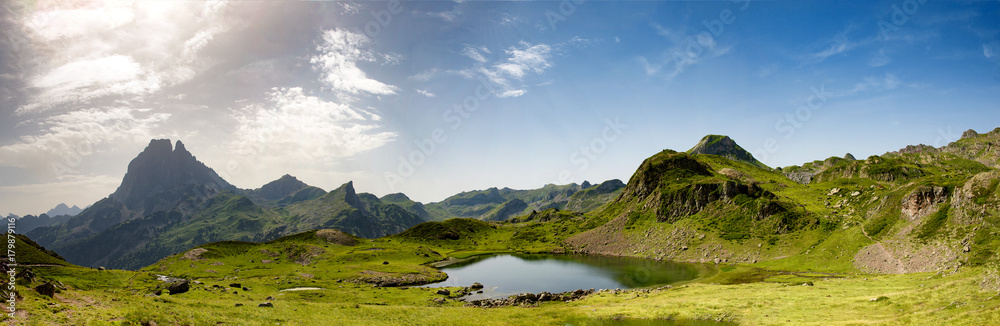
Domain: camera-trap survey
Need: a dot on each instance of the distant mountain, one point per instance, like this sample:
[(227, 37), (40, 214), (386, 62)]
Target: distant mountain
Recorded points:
[(62, 209), (982, 148), (168, 201), (30, 222), (725, 147), (285, 186), (495, 204)]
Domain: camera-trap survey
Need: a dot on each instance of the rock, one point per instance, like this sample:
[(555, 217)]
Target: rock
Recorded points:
[(266, 261), (833, 191), (101, 268), (920, 200), (443, 292), (158, 292), (269, 298), (850, 157), (385, 263), (266, 305), (969, 134), (439, 300), (235, 285), (239, 304), (179, 287), (246, 289), (855, 194), (476, 286), (47, 289)]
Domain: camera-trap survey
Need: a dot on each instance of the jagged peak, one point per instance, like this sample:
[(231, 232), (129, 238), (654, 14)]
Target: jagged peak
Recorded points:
[(970, 134)]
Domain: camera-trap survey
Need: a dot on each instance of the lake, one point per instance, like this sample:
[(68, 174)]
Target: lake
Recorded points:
[(505, 275)]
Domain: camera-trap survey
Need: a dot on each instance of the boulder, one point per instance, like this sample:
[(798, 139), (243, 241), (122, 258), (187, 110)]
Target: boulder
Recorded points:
[(443, 292), (235, 285), (179, 287), (266, 305), (969, 134), (47, 289), (476, 286)]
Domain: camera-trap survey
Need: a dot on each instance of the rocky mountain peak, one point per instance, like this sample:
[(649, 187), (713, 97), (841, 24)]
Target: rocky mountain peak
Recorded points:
[(970, 134), (724, 146), (850, 157), (162, 174)]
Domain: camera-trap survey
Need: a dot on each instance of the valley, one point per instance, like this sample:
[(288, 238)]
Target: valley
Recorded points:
[(907, 237)]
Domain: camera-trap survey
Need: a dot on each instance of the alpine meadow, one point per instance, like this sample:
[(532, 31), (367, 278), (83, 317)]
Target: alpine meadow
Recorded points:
[(500, 162)]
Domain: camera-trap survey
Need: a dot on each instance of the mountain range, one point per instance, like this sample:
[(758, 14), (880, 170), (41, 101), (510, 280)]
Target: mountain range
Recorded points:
[(169, 201)]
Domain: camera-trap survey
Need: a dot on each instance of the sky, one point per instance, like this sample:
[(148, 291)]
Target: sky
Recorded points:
[(431, 98)]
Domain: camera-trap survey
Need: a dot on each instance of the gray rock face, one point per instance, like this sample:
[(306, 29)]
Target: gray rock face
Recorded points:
[(919, 202), (969, 134)]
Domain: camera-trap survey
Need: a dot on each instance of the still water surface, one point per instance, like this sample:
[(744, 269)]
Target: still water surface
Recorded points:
[(505, 275)]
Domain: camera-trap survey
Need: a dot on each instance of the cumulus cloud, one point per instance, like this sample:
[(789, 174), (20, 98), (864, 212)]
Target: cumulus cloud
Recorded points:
[(299, 127), (426, 93), (337, 62), (68, 138)]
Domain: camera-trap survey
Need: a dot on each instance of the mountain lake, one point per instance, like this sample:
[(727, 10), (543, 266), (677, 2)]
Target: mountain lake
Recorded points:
[(509, 274)]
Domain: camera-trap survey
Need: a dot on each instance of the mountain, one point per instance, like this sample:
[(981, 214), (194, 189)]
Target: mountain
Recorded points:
[(725, 147), (406, 203), (168, 201), (62, 209), (285, 186), (501, 204), (30, 222)]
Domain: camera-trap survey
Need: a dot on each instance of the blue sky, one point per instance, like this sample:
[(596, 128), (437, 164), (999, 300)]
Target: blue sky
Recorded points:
[(434, 98)]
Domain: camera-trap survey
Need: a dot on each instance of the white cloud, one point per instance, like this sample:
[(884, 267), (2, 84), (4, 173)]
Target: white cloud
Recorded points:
[(474, 53), (508, 73), (426, 93), (299, 128), (425, 75), (83, 80), (66, 139), (114, 48), (533, 58), (340, 51)]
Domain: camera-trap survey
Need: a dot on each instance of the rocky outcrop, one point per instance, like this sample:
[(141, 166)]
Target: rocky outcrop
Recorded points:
[(691, 199), (921, 201), (970, 134), (667, 164), (850, 157)]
